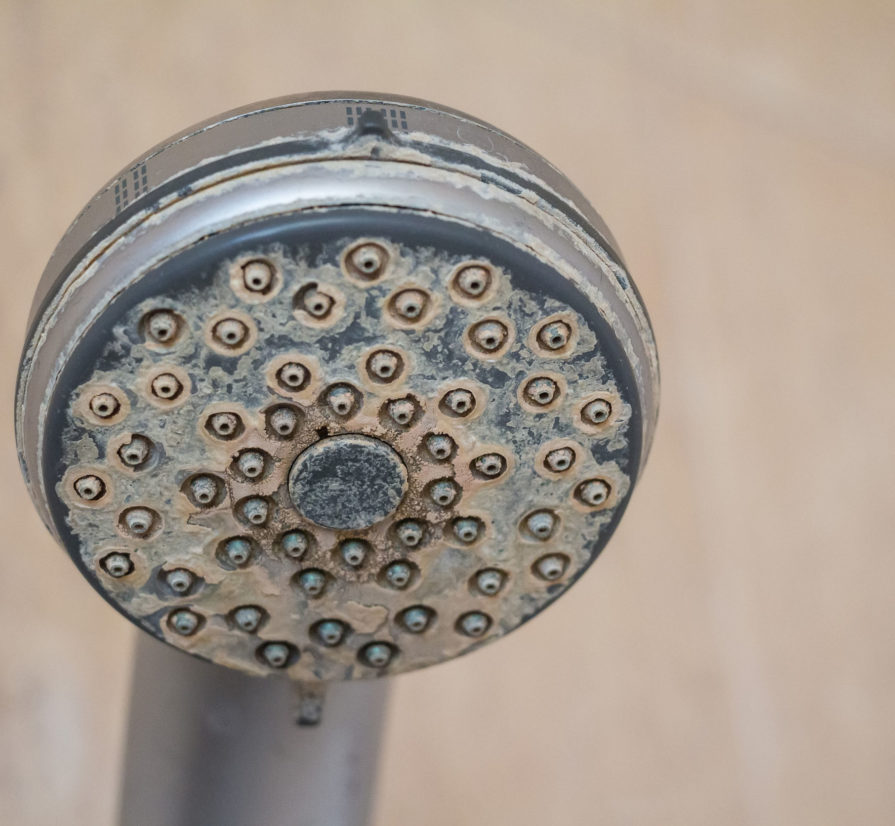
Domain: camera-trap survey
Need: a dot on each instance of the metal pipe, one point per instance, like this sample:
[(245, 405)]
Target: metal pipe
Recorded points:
[(209, 746)]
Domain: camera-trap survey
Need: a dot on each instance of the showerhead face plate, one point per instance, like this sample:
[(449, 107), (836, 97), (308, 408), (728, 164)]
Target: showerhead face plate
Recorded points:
[(346, 399)]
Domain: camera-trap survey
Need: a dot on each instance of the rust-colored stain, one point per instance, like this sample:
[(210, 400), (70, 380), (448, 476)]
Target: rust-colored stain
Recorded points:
[(303, 360)]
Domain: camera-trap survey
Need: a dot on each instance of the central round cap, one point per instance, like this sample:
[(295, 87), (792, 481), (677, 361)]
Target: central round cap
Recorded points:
[(347, 482)]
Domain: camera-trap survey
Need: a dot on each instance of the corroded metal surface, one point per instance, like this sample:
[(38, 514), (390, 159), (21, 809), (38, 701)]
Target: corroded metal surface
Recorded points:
[(345, 398), (504, 496)]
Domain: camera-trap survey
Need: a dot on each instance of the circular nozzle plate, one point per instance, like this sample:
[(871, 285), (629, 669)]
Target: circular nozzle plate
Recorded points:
[(342, 445), (335, 386)]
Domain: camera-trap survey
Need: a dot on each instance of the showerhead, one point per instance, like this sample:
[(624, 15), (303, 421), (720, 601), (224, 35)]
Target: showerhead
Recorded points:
[(338, 385)]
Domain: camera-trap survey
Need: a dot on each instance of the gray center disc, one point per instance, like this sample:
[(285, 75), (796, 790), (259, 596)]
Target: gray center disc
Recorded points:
[(347, 482)]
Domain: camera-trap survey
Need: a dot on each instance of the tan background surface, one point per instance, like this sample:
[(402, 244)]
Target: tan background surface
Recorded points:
[(730, 658)]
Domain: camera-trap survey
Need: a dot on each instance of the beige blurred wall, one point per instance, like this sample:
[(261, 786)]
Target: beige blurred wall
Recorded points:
[(730, 659)]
